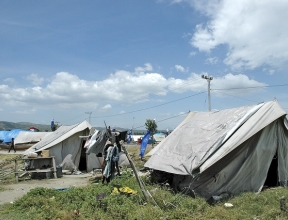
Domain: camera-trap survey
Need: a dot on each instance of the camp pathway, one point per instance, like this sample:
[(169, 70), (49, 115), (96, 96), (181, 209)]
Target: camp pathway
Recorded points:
[(17, 190), (5, 151)]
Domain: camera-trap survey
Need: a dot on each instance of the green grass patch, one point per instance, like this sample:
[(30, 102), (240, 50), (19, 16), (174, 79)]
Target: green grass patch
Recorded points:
[(97, 201)]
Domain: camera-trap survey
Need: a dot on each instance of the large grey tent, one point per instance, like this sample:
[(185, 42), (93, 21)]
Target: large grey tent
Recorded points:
[(228, 151), (66, 146)]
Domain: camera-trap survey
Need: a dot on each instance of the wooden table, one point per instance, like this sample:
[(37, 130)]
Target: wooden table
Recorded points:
[(38, 161)]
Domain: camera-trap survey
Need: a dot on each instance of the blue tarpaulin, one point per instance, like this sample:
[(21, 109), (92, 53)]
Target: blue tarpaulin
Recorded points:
[(144, 143), (3, 134), (129, 136), (11, 134)]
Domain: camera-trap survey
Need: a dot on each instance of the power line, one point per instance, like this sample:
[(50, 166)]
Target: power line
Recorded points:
[(238, 97), (155, 106), (89, 115), (252, 87), (173, 117), (166, 119), (191, 81)]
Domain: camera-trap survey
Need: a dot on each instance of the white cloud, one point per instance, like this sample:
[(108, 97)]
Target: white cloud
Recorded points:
[(193, 53), (9, 80), (148, 67), (176, 1), (35, 79), (256, 32), (212, 60), (271, 72), (106, 107), (232, 83), (26, 111), (66, 90), (179, 68)]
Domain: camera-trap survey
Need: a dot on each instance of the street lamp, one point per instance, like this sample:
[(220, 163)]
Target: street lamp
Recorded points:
[(208, 78)]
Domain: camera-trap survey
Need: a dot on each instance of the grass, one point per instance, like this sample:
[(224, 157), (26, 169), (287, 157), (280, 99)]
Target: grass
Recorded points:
[(6, 164), (2, 189), (134, 151), (97, 201), (6, 157)]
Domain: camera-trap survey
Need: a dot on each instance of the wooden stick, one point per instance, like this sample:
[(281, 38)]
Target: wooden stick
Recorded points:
[(136, 174), (16, 170)]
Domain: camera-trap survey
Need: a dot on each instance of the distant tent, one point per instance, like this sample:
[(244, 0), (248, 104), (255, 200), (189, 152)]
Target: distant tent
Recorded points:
[(159, 137), (33, 129), (25, 137), (67, 147), (228, 151), (12, 134), (3, 134)]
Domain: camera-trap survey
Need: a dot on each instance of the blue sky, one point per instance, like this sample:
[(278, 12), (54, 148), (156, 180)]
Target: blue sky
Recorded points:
[(123, 62)]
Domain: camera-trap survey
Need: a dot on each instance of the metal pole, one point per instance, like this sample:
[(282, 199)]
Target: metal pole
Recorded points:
[(89, 115), (209, 100), (208, 78), (133, 126)]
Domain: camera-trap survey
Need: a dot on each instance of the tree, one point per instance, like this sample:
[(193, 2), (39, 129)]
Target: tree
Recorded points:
[(152, 127), (54, 127)]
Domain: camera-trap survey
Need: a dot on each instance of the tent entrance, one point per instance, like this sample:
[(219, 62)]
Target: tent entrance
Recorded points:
[(83, 158), (272, 175)]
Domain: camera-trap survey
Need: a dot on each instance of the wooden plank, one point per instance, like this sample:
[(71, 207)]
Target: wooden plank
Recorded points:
[(23, 174), (54, 167), (36, 158), (16, 170)]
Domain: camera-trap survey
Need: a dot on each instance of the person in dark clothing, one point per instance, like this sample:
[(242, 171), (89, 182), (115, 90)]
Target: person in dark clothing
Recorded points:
[(122, 136), (12, 146)]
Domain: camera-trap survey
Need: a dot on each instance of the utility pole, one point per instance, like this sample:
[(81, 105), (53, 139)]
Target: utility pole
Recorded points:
[(133, 126), (208, 78), (89, 115)]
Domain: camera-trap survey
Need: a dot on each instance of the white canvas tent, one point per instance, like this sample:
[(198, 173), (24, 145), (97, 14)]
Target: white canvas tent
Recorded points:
[(159, 137), (228, 151), (67, 147), (25, 137)]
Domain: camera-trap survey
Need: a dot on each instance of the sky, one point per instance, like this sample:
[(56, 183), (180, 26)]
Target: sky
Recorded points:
[(120, 63)]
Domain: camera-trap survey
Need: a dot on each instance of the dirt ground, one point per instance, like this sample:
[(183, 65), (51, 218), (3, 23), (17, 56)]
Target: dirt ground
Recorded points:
[(17, 190)]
